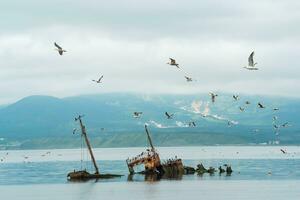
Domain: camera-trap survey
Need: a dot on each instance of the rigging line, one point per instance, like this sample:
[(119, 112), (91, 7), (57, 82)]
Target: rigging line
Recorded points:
[(81, 152), (87, 163)]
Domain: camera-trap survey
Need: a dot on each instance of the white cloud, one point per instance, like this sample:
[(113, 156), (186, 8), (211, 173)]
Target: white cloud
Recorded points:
[(130, 47)]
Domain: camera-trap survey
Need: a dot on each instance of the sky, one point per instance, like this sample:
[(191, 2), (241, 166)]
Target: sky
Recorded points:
[(130, 41)]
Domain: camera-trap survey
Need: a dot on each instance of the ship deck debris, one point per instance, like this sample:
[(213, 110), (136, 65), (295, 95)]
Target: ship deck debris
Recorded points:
[(170, 168)]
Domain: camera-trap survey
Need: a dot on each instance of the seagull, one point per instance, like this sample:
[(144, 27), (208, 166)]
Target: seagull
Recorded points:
[(260, 105), (173, 62), (99, 80), (137, 114), (275, 109), (236, 97), (74, 131), (242, 109), (188, 79), (192, 124), (251, 64), (221, 170), (275, 118), (169, 116), (59, 49), (213, 97), (276, 126), (229, 123), (285, 124), (283, 151), (247, 102)]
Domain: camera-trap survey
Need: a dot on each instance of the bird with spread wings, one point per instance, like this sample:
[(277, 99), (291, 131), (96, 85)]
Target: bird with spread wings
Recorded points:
[(99, 80), (251, 64), (59, 49)]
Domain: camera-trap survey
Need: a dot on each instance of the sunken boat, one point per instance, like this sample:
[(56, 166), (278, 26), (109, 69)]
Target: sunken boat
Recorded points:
[(154, 168), (83, 175)]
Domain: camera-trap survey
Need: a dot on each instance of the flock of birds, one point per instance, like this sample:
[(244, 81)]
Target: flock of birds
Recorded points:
[(251, 66), (61, 51), (27, 158), (172, 62), (276, 126)]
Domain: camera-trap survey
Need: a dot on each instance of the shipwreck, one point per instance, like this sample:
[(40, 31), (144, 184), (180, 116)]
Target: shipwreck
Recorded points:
[(82, 175), (154, 168)]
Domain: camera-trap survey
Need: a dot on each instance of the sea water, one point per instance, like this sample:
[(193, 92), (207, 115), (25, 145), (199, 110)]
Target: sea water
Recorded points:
[(259, 172)]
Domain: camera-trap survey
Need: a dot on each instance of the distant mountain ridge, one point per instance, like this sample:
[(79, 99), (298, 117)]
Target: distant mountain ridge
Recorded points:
[(45, 121)]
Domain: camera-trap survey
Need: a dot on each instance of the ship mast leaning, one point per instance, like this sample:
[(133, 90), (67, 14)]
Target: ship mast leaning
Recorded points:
[(83, 131), (149, 138)]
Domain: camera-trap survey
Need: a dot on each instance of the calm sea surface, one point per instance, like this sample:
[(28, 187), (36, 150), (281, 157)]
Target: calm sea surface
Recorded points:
[(261, 172)]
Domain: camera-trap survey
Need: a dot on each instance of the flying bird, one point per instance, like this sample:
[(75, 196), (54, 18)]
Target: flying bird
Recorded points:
[(247, 102), (229, 123), (169, 116), (285, 124), (188, 79), (74, 131), (275, 109), (137, 114), (192, 124), (251, 64), (276, 126), (213, 97), (260, 105), (59, 49), (283, 151), (99, 80), (242, 109), (235, 97), (173, 62)]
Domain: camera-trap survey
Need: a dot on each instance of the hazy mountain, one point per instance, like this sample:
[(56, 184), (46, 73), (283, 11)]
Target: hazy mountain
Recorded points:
[(44, 121)]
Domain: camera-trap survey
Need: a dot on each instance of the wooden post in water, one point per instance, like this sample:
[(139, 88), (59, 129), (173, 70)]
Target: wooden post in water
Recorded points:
[(83, 131), (130, 168)]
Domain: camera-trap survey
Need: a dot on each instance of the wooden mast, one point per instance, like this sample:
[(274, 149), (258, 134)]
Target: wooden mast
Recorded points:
[(83, 131), (149, 138)]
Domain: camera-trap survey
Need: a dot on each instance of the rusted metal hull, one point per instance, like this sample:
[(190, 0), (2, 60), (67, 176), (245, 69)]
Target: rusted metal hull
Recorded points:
[(84, 175), (149, 159), (154, 168)]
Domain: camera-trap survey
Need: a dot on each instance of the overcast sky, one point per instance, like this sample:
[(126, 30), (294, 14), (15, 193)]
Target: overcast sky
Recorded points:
[(130, 41)]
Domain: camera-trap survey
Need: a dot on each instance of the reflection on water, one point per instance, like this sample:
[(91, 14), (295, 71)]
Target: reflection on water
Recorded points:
[(56, 172), (253, 177), (153, 177)]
